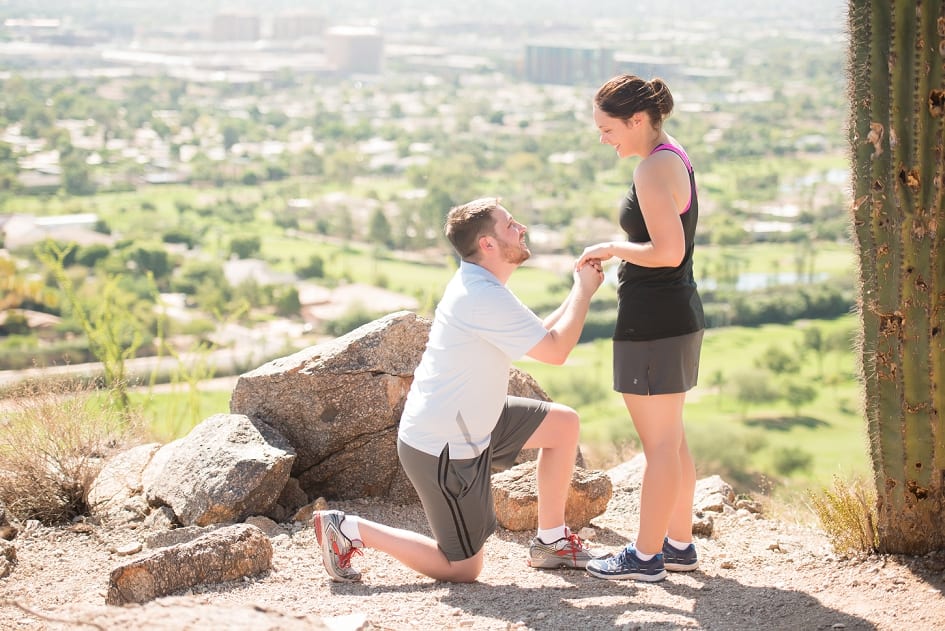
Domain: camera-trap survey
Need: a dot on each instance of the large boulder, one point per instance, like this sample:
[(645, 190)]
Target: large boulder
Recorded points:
[(227, 468), (339, 405)]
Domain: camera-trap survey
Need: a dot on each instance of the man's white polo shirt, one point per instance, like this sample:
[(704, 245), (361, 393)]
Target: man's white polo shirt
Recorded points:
[(459, 388)]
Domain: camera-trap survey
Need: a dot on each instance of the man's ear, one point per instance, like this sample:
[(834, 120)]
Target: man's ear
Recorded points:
[(486, 242)]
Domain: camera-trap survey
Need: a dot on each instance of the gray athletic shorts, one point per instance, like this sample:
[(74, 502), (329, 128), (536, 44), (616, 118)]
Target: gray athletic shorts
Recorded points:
[(666, 366), (457, 494)]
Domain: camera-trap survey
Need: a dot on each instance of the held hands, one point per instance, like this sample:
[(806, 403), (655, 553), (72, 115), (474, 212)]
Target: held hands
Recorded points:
[(599, 252), (588, 277)]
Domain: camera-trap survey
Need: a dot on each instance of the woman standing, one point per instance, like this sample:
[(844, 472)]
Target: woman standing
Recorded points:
[(660, 321)]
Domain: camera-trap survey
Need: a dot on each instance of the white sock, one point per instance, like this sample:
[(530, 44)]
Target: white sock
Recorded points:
[(679, 545), (349, 528), (550, 535), (643, 556)]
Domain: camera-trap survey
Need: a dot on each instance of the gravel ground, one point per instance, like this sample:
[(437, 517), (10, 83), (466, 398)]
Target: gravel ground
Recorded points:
[(756, 574)]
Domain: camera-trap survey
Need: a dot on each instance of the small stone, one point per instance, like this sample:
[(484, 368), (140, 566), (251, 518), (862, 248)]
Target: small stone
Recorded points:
[(727, 565), (128, 549)]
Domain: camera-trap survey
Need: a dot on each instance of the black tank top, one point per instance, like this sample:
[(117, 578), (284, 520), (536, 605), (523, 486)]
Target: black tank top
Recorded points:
[(658, 302)]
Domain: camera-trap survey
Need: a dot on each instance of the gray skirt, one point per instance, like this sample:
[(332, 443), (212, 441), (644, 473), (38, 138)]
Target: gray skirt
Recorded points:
[(666, 366)]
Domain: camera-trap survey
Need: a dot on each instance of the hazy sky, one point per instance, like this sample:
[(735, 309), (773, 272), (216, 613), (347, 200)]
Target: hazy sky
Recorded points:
[(825, 11)]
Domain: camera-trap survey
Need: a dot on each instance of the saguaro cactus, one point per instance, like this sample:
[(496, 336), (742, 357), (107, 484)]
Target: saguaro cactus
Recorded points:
[(897, 138)]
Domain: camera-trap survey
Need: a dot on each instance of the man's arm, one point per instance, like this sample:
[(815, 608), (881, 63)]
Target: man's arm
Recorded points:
[(566, 322)]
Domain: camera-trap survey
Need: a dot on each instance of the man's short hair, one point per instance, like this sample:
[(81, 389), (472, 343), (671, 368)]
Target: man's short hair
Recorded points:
[(469, 221)]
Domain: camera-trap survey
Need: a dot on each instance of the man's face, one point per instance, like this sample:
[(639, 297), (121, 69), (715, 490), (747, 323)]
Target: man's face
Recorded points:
[(510, 236)]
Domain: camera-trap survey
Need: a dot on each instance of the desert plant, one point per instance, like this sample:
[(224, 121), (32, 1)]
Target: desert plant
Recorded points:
[(54, 436), (113, 331), (847, 514), (897, 139)]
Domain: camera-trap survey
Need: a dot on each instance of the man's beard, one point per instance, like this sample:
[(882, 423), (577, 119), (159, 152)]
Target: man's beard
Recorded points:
[(515, 254)]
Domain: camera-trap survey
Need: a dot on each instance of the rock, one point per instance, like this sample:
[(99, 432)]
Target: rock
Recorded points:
[(712, 494), (7, 530), (628, 475), (161, 518), (293, 497), (749, 505), (116, 493), (128, 549), (179, 536), (702, 525), (339, 405), (7, 557), (306, 514), (715, 492), (226, 554), (227, 468), (516, 497), (265, 524)]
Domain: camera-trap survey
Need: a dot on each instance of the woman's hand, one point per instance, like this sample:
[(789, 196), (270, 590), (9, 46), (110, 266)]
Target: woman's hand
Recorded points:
[(599, 252)]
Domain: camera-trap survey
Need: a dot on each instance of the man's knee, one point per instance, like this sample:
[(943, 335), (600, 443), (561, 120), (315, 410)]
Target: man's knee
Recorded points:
[(570, 421), (466, 571)]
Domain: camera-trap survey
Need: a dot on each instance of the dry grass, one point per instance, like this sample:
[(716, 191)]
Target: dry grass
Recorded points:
[(847, 514), (54, 437)]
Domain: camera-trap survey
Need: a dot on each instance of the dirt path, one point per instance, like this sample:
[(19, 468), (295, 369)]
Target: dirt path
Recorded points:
[(755, 574)]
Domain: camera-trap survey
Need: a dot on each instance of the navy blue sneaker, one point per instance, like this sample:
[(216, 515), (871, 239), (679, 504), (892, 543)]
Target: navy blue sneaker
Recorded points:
[(677, 560), (627, 565)]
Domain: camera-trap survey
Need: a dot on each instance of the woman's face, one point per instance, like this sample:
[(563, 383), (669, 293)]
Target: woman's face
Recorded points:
[(616, 132)]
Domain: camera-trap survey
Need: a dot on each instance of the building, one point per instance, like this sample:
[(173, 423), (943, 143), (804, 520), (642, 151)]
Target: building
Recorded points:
[(232, 27), (648, 66), (354, 50), (568, 65), (20, 230), (297, 25)]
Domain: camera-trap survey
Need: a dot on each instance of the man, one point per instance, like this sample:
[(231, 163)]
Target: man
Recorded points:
[(459, 422)]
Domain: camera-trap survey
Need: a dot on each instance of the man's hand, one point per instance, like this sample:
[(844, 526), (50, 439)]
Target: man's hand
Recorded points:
[(589, 276)]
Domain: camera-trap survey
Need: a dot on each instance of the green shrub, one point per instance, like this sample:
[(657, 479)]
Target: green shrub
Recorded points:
[(790, 460)]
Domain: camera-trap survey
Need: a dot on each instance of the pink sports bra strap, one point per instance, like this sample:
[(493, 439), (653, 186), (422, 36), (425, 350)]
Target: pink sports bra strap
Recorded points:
[(679, 152)]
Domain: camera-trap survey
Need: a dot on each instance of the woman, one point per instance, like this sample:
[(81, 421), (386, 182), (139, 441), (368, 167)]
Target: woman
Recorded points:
[(658, 336)]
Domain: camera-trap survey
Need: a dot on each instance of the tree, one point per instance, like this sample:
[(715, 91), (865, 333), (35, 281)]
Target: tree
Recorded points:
[(245, 246), (814, 340), (379, 230), (897, 139), (799, 394), (754, 388), (315, 268), (76, 177), (778, 361)]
